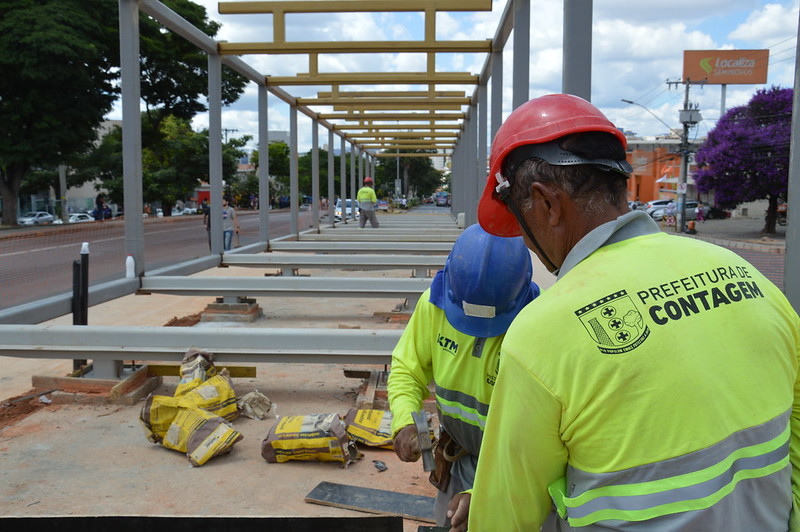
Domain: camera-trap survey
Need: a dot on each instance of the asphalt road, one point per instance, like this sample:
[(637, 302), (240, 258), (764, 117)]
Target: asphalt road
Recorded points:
[(38, 262)]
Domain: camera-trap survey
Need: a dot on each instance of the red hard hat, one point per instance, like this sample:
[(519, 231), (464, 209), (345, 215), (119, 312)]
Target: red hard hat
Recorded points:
[(537, 121), (367, 179)]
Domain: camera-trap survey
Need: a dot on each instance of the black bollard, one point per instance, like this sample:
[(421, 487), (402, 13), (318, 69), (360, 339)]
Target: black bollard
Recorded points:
[(80, 296)]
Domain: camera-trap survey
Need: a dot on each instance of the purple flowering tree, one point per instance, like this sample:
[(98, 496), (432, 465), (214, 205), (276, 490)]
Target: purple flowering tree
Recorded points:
[(746, 156)]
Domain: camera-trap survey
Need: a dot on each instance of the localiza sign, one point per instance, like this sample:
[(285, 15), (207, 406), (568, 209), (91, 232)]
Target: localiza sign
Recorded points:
[(722, 67)]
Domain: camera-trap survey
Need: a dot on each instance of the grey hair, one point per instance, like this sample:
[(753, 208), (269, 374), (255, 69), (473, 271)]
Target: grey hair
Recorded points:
[(593, 189)]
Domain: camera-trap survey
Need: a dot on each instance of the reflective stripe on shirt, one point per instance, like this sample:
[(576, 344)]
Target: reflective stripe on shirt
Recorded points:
[(463, 417), (681, 484)]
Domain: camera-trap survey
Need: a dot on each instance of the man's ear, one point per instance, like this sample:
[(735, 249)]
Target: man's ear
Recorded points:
[(552, 200)]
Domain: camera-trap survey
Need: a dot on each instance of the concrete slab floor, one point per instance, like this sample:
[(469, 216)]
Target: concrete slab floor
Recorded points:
[(95, 459)]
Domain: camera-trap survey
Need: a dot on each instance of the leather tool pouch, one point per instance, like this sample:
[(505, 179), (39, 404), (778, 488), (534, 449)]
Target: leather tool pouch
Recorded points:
[(446, 452), (440, 476)]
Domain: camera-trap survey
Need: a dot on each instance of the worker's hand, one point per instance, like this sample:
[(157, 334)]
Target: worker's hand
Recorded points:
[(458, 512), (406, 444)]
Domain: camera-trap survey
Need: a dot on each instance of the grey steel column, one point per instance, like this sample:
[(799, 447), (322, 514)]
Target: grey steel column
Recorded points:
[(293, 180), (361, 160), (331, 191), (576, 77), (497, 92), (352, 185), (791, 281), (522, 52), (215, 148), (131, 132), (343, 178), (472, 174), (263, 164), (315, 173)]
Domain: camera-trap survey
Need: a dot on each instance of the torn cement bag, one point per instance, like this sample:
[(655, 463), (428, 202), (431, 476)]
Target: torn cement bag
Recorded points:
[(321, 437), (370, 427), (197, 366), (254, 405), (215, 396), (200, 434)]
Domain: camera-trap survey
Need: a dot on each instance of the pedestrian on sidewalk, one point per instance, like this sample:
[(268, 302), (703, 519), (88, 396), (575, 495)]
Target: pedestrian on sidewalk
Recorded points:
[(700, 212), (230, 223)]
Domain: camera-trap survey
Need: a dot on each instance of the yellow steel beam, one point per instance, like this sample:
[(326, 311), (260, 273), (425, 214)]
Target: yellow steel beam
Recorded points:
[(404, 135), (353, 47), (368, 99), (416, 117), (408, 147), (401, 155), (351, 6), (410, 106), (376, 78), (398, 127), (410, 140), (391, 94)]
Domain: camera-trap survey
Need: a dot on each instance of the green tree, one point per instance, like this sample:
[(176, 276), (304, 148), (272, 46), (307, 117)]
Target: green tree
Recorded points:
[(58, 61), (57, 83), (174, 72), (279, 167), (417, 174), (746, 156)]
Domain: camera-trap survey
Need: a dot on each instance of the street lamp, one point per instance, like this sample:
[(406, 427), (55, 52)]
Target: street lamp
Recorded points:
[(669, 128), (688, 117)]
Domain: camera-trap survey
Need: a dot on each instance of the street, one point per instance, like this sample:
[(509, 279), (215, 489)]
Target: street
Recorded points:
[(37, 262)]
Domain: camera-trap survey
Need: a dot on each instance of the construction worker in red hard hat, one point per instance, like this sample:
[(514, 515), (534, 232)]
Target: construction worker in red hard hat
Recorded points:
[(453, 340), (367, 204), (653, 386)]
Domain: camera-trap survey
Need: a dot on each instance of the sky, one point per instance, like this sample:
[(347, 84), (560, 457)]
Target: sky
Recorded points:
[(636, 48)]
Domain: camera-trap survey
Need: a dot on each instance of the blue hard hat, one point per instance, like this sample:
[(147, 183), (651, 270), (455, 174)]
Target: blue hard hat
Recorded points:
[(486, 281)]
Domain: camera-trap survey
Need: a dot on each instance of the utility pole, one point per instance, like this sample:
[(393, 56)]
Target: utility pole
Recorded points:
[(689, 116), (225, 132)]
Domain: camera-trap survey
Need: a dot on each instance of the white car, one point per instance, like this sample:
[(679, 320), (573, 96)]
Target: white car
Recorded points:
[(36, 218), (80, 217), (337, 212)]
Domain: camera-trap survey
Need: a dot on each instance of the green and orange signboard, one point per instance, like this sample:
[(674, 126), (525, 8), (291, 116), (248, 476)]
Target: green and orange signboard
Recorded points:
[(724, 67)]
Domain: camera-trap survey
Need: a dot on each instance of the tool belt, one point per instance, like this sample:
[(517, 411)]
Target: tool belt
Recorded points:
[(446, 451)]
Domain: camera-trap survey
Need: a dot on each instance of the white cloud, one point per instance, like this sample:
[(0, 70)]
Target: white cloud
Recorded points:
[(637, 47), (768, 25)]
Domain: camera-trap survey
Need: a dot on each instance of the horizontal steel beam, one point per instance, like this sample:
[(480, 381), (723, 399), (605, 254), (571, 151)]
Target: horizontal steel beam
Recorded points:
[(352, 6), (375, 78), (372, 237), (413, 248), (353, 47), (287, 286), (358, 262), (242, 345)]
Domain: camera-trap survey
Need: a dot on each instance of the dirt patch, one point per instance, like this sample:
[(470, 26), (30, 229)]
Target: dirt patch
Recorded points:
[(186, 321), (18, 408)]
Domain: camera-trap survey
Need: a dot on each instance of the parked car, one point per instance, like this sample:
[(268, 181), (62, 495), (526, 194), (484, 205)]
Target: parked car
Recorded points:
[(337, 213), (36, 218), (635, 205), (80, 217), (691, 211), (650, 206)]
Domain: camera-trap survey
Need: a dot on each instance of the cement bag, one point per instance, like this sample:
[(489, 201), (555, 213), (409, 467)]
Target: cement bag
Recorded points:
[(197, 366), (200, 434), (321, 437), (216, 395), (370, 427)]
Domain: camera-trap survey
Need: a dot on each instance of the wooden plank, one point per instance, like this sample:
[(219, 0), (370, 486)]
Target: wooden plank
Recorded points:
[(373, 501)]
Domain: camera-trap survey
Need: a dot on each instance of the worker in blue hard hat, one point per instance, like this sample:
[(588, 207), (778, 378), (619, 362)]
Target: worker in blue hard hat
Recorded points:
[(453, 340)]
